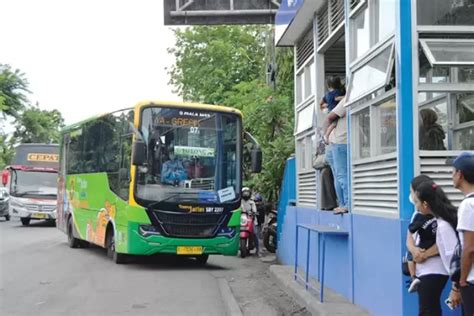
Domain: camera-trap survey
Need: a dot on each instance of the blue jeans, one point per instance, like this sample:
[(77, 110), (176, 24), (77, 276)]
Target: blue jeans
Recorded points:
[(336, 155)]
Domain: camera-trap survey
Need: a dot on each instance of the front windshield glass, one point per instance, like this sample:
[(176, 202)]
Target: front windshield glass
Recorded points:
[(34, 183), (192, 156)]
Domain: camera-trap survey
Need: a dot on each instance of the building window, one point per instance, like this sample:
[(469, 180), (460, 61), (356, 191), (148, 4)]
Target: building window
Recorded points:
[(449, 52), (387, 126), (305, 149), (361, 31), (305, 83), (437, 110), (445, 12), (372, 76), (371, 25), (305, 118), (361, 131), (385, 12), (310, 84), (299, 88)]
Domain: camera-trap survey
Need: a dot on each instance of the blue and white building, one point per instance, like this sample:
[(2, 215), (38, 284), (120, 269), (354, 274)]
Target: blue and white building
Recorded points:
[(396, 58)]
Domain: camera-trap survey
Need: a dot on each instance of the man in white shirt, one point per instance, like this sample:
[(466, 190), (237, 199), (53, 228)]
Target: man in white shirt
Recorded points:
[(463, 180)]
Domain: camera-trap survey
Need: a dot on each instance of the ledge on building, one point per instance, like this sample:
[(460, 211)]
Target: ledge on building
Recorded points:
[(334, 304)]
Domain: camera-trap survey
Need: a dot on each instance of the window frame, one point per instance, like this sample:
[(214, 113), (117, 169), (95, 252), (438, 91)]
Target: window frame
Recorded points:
[(424, 43), (306, 106), (374, 44), (374, 118), (300, 87), (388, 71)]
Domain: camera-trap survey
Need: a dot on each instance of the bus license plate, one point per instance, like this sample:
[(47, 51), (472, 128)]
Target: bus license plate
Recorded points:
[(38, 215), (196, 250)]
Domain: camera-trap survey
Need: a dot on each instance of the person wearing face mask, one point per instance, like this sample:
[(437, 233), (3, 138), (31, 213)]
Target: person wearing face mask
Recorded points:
[(173, 171), (421, 236)]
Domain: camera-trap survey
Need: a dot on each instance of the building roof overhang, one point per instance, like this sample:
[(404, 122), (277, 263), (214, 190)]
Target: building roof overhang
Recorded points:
[(300, 23)]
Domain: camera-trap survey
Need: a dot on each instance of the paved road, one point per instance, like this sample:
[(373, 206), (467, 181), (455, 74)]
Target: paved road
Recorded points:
[(41, 275)]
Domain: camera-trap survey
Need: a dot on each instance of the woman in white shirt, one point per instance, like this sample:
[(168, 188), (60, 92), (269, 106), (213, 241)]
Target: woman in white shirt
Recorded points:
[(430, 199)]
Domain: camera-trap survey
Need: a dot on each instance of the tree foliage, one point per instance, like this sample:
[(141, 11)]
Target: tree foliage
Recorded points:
[(13, 87), (210, 60), (226, 65), (32, 125), (38, 126)]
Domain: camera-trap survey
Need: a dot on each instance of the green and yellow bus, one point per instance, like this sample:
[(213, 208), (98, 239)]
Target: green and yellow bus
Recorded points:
[(156, 178)]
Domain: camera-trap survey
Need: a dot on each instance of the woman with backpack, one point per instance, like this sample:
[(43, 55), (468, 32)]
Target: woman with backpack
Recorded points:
[(429, 198)]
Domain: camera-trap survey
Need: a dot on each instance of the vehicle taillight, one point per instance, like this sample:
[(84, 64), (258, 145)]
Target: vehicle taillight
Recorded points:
[(5, 175)]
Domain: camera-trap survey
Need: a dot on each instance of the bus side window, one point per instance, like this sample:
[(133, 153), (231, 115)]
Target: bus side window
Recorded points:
[(75, 146)]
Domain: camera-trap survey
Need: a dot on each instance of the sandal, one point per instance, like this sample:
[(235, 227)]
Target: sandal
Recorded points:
[(340, 210)]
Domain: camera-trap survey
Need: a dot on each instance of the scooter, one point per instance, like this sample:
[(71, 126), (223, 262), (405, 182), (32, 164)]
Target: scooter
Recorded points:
[(247, 242), (270, 232)]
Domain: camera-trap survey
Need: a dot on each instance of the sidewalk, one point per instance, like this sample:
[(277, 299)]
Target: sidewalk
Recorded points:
[(334, 304)]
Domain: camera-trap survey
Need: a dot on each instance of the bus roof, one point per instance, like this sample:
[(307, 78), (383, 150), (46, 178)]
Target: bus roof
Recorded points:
[(145, 103)]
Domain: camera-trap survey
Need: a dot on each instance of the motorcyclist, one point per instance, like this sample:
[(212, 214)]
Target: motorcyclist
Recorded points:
[(248, 205)]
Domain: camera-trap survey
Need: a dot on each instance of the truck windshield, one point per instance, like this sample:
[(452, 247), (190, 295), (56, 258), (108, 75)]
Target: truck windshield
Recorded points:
[(34, 183), (192, 156)]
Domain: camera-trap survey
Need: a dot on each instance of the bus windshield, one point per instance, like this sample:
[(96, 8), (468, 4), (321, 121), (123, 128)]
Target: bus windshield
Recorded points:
[(26, 183), (192, 156)]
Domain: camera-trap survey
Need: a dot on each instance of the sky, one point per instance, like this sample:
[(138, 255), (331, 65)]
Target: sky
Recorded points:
[(90, 56)]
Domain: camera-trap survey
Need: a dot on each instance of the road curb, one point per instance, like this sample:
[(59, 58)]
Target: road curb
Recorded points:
[(231, 305)]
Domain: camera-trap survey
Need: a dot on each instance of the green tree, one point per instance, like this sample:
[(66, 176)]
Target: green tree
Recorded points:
[(210, 60), (13, 87), (226, 65), (268, 116), (38, 126)]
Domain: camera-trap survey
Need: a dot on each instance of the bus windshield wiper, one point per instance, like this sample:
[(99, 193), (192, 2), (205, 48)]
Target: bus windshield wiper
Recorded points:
[(152, 205)]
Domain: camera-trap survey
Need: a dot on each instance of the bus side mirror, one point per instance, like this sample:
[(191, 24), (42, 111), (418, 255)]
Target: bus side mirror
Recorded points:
[(5, 175), (124, 174), (256, 160), (139, 153)]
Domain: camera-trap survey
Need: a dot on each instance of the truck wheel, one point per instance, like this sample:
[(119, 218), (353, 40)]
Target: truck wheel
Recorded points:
[(25, 221), (7, 217), (118, 258), (72, 241)]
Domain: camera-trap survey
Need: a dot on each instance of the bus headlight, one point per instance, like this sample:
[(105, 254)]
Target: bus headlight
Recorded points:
[(148, 230), (227, 232)]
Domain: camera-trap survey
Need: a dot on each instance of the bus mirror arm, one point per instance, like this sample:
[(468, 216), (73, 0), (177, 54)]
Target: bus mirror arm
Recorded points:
[(136, 132), (256, 153), (139, 153)]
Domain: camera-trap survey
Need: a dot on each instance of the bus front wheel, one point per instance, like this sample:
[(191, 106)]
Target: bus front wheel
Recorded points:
[(111, 253), (202, 259), (72, 241)]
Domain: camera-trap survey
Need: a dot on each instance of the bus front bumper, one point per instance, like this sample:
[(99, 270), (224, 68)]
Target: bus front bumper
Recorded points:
[(22, 212), (141, 243)]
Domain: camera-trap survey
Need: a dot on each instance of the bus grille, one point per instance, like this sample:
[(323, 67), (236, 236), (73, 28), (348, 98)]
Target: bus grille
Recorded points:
[(189, 225), (40, 208)]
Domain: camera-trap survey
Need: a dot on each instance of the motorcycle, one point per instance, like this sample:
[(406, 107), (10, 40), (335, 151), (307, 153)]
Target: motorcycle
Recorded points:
[(247, 242), (270, 232)]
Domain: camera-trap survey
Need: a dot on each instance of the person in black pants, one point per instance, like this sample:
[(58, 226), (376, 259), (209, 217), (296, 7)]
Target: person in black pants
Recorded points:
[(429, 198)]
